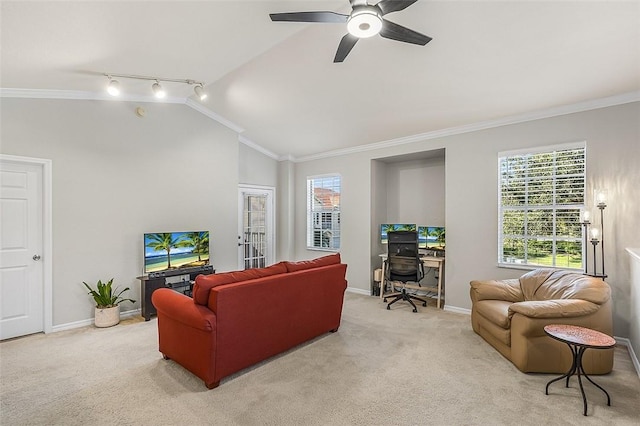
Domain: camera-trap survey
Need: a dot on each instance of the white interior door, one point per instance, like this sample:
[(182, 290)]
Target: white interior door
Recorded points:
[(21, 249), (256, 234)]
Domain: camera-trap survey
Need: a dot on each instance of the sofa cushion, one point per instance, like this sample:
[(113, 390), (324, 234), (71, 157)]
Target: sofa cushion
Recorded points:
[(314, 263), (496, 311), (204, 283)]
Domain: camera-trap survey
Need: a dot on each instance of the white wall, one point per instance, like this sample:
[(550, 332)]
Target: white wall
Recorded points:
[(255, 168), (613, 154), (117, 176)]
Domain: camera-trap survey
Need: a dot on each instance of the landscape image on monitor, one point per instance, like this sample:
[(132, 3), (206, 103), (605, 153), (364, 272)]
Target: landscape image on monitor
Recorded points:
[(175, 250), (390, 227), (431, 237)]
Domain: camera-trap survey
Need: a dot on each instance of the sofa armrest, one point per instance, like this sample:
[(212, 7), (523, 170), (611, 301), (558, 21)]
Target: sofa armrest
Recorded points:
[(556, 308), (507, 290), (181, 308)]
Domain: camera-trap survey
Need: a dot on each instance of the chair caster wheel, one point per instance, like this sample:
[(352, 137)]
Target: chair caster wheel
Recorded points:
[(388, 308), (415, 310), (384, 300), (424, 304)]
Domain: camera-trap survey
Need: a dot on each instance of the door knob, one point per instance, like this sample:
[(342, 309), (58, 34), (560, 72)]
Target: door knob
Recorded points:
[(36, 257)]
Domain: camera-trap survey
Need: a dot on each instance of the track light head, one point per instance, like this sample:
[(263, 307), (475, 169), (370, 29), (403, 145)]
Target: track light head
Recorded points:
[(200, 93), (114, 87), (158, 91)]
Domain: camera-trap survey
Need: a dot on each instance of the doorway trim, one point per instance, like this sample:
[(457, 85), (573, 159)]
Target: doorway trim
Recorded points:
[(47, 232), (272, 241)]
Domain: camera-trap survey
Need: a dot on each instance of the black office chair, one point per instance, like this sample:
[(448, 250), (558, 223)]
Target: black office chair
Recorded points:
[(404, 265)]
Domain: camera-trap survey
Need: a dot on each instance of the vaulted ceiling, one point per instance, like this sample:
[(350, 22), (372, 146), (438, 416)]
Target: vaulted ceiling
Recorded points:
[(278, 85)]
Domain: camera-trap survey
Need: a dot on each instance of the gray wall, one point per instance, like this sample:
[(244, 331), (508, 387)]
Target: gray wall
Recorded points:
[(117, 176), (613, 153), (415, 192), (634, 300)]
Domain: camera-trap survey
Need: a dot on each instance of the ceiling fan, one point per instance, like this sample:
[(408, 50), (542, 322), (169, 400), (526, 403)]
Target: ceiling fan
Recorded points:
[(365, 20)]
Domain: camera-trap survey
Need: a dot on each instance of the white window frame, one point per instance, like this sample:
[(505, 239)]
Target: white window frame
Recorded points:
[(555, 238), (317, 226)]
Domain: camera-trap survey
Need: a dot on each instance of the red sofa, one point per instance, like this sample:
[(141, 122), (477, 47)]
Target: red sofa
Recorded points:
[(237, 319)]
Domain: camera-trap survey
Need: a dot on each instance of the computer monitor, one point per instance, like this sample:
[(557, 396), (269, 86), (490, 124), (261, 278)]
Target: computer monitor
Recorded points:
[(390, 227), (431, 237)]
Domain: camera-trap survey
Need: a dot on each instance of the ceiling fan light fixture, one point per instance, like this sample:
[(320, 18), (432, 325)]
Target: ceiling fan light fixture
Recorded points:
[(158, 91), (364, 23), (113, 88)]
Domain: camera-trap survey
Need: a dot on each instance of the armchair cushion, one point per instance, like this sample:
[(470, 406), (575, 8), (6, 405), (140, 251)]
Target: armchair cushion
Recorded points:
[(496, 311), (557, 308), (508, 290)]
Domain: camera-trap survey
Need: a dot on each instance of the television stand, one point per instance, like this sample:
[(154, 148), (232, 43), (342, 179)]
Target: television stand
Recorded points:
[(180, 280)]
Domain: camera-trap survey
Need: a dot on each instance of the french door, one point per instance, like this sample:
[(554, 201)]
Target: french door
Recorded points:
[(25, 291), (256, 242)]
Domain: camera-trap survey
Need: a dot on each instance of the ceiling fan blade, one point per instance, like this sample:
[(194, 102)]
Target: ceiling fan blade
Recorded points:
[(331, 17), (398, 32), (346, 44), (388, 6)]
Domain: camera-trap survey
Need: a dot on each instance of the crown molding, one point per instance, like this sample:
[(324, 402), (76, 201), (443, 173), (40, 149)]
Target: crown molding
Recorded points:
[(624, 98), (483, 125), (251, 144), (212, 115)]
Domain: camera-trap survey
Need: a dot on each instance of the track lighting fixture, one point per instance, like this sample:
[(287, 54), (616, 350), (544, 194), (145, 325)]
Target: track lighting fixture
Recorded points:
[(114, 87), (159, 92), (200, 93)]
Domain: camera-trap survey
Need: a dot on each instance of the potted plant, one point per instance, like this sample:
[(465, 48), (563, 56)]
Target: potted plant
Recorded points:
[(108, 301)]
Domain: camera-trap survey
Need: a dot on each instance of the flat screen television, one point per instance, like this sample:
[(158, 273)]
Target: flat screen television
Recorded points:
[(390, 227), (174, 250), (431, 237)]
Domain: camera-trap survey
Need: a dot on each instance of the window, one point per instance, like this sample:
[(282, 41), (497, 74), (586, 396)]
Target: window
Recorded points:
[(541, 195), (323, 212)]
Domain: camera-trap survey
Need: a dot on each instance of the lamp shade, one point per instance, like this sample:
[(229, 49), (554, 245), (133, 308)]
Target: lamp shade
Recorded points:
[(600, 195)]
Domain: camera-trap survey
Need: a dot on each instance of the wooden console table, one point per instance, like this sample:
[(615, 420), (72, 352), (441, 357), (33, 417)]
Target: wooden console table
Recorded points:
[(428, 262)]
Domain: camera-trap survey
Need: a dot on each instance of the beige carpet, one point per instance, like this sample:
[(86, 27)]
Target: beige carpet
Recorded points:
[(381, 368)]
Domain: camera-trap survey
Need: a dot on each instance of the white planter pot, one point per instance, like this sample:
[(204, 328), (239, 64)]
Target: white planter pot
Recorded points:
[(107, 317)]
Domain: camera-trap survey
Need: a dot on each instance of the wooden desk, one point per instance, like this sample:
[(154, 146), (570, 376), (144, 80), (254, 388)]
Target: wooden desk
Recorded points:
[(428, 262)]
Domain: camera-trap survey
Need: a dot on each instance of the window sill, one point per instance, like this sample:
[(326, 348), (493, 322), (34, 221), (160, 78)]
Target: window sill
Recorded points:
[(526, 267), (331, 250)]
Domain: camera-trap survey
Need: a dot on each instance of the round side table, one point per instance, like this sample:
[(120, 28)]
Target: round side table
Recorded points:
[(579, 339)]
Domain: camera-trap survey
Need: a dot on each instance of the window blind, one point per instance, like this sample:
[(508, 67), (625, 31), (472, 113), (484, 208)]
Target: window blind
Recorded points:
[(540, 197), (323, 212)]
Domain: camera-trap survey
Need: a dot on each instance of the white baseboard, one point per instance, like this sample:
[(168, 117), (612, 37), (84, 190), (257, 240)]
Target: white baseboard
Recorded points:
[(358, 291), (457, 310), (86, 322), (623, 341)]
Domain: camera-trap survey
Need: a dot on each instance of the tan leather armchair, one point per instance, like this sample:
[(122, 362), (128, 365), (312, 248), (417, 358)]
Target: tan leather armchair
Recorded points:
[(510, 315)]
